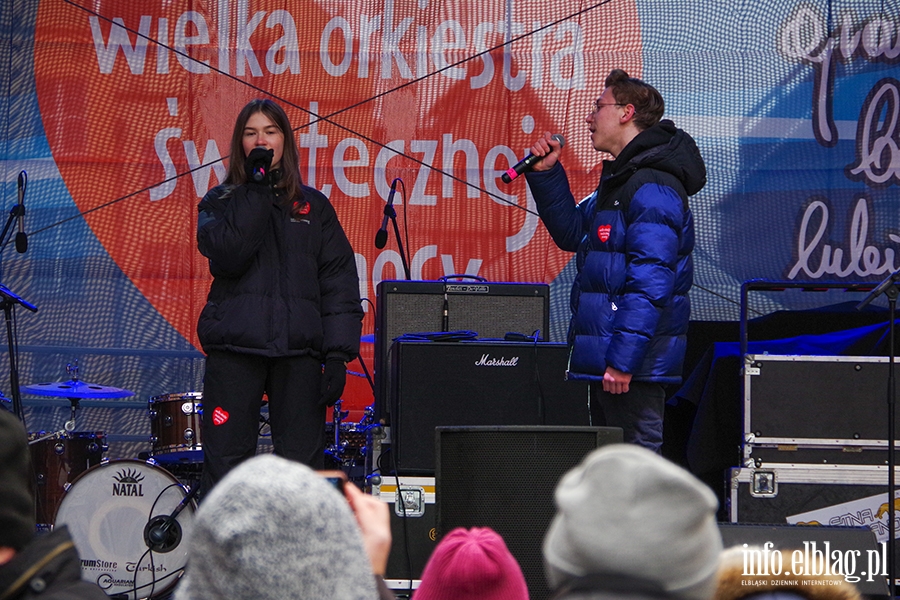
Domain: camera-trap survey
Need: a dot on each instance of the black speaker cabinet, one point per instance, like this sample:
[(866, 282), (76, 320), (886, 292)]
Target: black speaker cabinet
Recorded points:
[(489, 309), (858, 542), (476, 383), (504, 478)]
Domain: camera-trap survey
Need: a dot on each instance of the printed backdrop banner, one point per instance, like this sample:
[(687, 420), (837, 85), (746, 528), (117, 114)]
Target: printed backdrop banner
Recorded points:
[(121, 114)]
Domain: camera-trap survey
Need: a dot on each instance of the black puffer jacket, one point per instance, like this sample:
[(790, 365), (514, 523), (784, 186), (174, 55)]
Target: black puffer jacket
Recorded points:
[(48, 567), (285, 280)]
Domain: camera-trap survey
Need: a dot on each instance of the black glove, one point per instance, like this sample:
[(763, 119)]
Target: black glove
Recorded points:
[(258, 164), (333, 380)]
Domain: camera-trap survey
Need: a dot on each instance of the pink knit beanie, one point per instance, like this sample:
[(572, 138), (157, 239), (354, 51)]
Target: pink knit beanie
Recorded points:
[(472, 564)]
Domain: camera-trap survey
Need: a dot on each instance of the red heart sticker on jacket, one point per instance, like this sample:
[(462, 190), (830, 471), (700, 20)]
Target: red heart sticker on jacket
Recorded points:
[(301, 208), (603, 232), (219, 416)]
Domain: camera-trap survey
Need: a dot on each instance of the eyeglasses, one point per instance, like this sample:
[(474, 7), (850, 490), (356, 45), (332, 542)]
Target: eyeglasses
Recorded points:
[(596, 106)]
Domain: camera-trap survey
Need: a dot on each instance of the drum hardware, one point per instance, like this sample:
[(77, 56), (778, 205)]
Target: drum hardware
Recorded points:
[(337, 417), (352, 441), (338, 449), (46, 436), (369, 421), (374, 431)]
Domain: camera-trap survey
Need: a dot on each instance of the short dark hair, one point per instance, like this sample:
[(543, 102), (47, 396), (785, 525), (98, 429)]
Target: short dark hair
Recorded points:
[(291, 180), (647, 101)]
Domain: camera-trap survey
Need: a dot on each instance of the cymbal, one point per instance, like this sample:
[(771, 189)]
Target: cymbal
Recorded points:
[(75, 389)]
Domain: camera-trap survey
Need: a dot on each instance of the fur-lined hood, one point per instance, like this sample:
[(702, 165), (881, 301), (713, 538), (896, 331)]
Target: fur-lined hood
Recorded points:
[(734, 585)]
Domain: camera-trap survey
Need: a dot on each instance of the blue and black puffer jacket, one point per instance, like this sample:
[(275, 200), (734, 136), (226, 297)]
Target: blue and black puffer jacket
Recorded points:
[(633, 238), (284, 275)]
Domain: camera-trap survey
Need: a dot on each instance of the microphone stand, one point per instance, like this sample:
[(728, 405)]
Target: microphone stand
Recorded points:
[(391, 214), (8, 300), (889, 287), (15, 212)]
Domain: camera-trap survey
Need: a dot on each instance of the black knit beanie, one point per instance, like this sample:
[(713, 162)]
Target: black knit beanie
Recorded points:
[(16, 501)]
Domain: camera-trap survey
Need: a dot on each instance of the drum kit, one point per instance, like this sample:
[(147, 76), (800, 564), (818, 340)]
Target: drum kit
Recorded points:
[(128, 517)]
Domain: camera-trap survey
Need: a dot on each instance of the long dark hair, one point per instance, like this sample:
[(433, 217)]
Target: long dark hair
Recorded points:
[(290, 181)]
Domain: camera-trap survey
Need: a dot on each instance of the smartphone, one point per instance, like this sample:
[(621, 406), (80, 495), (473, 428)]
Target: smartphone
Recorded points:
[(335, 478)]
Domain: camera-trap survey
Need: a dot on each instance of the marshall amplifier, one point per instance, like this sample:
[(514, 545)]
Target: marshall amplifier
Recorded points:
[(489, 309), (448, 384)]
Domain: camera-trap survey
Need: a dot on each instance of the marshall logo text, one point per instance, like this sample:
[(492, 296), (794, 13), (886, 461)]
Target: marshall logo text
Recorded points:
[(487, 361)]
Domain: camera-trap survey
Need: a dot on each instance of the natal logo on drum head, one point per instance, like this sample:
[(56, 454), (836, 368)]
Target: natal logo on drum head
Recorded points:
[(129, 483)]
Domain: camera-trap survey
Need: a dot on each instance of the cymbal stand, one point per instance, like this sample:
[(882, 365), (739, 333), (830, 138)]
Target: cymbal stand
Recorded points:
[(70, 424), (337, 449), (72, 372)]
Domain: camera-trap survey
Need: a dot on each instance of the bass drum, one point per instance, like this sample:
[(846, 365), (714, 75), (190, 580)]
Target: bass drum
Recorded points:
[(117, 514)]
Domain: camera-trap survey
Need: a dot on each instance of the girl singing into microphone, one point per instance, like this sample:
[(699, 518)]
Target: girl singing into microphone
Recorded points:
[(283, 315)]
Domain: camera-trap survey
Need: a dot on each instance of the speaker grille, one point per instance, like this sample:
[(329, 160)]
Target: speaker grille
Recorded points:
[(504, 478), (489, 309), (443, 384)]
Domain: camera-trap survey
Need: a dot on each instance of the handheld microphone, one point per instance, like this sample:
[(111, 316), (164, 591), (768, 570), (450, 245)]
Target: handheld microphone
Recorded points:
[(259, 160), (21, 236), (526, 163), (381, 236)]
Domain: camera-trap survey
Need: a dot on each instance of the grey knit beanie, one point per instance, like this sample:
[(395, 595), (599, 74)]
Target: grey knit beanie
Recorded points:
[(274, 529), (16, 500), (627, 511)]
